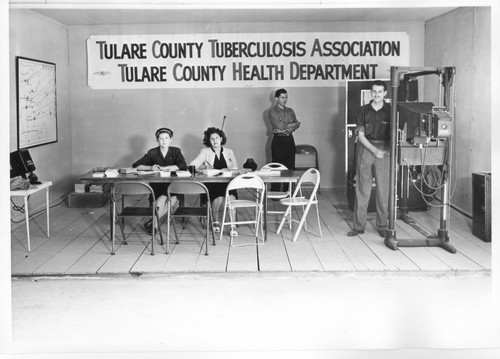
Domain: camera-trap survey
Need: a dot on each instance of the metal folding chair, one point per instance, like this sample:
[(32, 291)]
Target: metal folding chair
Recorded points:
[(311, 176), (203, 210), (123, 190), (256, 189), (276, 195), (306, 156)]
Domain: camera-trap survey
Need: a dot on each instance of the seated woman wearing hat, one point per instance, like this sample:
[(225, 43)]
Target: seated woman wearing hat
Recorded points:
[(165, 158), (216, 157)]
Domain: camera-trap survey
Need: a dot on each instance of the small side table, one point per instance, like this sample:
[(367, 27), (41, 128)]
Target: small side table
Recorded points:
[(26, 193)]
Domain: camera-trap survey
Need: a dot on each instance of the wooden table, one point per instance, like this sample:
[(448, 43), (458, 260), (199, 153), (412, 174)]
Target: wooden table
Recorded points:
[(26, 193), (288, 176)]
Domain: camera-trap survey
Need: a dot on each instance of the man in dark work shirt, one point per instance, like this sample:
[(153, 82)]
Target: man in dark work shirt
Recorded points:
[(372, 159), (284, 123)]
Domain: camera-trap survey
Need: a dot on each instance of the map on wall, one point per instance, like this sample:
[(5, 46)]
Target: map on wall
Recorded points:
[(36, 102)]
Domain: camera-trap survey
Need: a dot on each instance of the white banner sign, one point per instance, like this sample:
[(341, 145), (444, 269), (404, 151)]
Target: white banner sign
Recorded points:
[(242, 60)]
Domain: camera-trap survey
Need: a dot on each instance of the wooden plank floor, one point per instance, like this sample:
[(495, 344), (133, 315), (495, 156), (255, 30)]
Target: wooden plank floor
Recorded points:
[(79, 245)]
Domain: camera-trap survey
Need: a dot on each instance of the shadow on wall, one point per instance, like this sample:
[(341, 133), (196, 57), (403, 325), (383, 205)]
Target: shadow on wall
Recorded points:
[(340, 132), (137, 150), (191, 145), (269, 128)]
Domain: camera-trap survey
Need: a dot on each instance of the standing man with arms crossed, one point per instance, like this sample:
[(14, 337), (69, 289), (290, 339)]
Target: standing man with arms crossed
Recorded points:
[(284, 123), (372, 159)]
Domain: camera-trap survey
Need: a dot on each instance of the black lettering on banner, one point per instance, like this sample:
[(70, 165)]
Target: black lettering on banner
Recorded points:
[(316, 48), (198, 72), (301, 49), (356, 48), (354, 59), (332, 71), (123, 51), (243, 49), (251, 49), (176, 50), (243, 72), (144, 74), (221, 49), (277, 49), (213, 44), (228, 49)]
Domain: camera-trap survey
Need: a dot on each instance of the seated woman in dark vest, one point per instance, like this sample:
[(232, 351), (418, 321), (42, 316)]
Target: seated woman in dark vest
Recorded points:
[(166, 158)]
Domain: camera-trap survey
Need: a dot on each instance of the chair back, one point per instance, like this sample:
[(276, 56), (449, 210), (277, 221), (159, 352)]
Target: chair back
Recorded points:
[(199, 209), (246, 180), (305, 149), (306, 156), (311, 176), (187, 187), (131, 188), (274, 166)]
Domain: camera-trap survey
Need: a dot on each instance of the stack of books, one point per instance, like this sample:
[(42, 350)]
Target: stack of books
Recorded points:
[(128, 170), (95, 188)]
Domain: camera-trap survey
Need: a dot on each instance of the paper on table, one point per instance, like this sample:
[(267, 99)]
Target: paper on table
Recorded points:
[(267, 173), (183, 173), (212, 172), (112, 172), (147, 172)]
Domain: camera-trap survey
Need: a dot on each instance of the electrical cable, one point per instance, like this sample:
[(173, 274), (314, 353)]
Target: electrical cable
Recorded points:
[(424, 195), (422, 177), (17, 208), (34, 214)]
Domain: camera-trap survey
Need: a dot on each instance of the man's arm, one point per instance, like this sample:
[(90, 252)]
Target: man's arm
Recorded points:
[(292, 126), (368, 145), (278, 126)]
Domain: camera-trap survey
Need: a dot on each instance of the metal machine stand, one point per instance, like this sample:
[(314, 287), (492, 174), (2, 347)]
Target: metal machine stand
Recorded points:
[(403, 201), (441, 239)]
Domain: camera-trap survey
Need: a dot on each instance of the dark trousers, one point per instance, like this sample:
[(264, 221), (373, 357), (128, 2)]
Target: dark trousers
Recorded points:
[(283, 151)]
